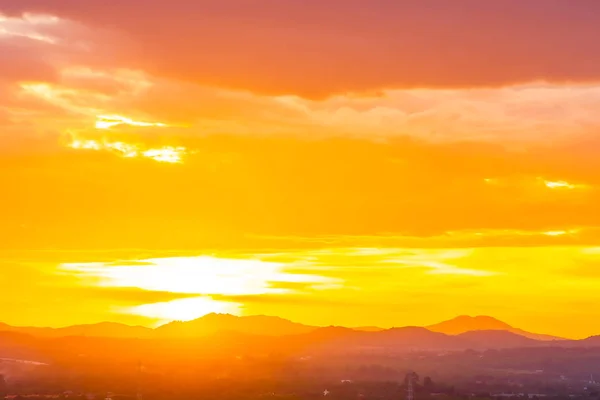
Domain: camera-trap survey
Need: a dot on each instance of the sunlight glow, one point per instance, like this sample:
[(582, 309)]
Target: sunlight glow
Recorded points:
[(108, 121), (198, 275), (205, 276), (511, 233), (167, 154), (560, 185), (184, 309), (556, 233), (440, 262), (61, 97)]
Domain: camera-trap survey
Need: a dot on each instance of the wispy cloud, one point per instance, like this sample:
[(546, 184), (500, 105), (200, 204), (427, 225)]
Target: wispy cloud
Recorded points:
[(167, 154), (199, 276), (562, 185), (28, 26)]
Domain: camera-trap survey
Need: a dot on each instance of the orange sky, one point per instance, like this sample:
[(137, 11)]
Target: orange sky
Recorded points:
[(396, 163)]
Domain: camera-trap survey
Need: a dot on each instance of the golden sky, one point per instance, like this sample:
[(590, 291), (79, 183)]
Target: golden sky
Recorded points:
[(396, 163)]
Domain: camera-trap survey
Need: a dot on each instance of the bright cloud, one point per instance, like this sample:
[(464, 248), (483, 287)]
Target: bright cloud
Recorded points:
[(199, 275), (183, 309), (418, 286), (290, 58), (29, 26), (204, 276), (165, 154), (109, 121), (560, 185)]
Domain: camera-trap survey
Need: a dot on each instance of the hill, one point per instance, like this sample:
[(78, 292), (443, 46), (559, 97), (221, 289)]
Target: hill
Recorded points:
[(464, 323), (262, 326), (497, 339), (102, 329), (214, 323)]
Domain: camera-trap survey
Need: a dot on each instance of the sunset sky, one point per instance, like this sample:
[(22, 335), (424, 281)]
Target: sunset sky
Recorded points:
[(344, 162)]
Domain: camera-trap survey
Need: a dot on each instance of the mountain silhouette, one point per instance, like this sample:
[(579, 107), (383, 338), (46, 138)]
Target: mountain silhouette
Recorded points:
[(102, 329), (497, 339), (368, 328), (214, 323), (342, 340), (465, 323), (269, 326), (415, 338), (218, 334)]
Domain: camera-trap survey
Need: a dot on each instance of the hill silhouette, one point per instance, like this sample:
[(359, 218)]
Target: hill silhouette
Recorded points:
[(465, 323), (215, 336), (102, 329), (498, 339), (214, 323), (270, 326)]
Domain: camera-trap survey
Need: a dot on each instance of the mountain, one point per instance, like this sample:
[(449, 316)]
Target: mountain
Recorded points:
[(466, 323), (265, 326), (497, 339), (214, 323), (102, 329), (207, 325), (34, 331), (107, 330), (18, 346), (592, 341), (368, 328), (415, 338), (343, 340)]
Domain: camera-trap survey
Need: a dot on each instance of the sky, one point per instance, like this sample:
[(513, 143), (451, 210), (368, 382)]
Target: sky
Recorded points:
[(332, 162)]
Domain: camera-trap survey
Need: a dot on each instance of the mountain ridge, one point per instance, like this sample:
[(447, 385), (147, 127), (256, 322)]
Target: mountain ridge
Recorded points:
[(465, 323), (262, 325)]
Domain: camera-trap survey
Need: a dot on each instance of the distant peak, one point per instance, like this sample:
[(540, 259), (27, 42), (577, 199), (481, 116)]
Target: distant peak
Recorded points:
[(476, 318), (334, 328), (408, 328), (465, 323), (218, 315), (487, 317)]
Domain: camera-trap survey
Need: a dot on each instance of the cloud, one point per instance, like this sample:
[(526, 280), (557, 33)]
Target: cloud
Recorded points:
[(400, 164), (23, 63), (382, 243), (203, 275), (395, 284), (287, 300), (512, 116), (124, 296), (562, 185), (27, 27), (318, 48), (196, 279), (415, 285), (328, 138), (293, 187), (167, 154)]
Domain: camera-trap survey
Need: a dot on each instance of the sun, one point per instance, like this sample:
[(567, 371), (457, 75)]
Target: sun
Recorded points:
[(184, 309), (198, 278)]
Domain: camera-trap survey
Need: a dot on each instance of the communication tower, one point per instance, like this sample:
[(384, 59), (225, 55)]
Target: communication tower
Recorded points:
[(410, 390)]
